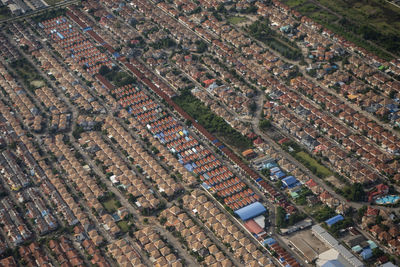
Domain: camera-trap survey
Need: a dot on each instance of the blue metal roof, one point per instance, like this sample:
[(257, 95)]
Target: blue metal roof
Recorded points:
[(280, 174), (250, 211), (189, 167), (334, 220), (288, 181), (60, 35), (366, 253), (274, 170)]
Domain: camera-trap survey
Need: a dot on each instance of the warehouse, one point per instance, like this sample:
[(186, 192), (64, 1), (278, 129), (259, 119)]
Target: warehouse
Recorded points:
[(250, 211)]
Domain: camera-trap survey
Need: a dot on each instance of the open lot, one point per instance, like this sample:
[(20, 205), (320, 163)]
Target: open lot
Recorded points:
[(371, 24), (28, 74), (236, 19), (4, 12), (53, 2), (123, 225), (306, 244), (336, 182), (111, 205), (313, 165)]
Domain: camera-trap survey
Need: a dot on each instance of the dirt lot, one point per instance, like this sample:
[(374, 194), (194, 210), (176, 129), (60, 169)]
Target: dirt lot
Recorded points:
[(305, 243), (333, 180)]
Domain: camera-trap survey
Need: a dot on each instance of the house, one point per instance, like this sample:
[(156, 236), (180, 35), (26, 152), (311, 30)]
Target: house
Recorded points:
[(249, 154), (376, 230), (379, 190), (371, 212)]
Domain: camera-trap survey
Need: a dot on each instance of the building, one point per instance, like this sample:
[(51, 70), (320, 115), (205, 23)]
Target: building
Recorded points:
[(337, 252), (250, 211)]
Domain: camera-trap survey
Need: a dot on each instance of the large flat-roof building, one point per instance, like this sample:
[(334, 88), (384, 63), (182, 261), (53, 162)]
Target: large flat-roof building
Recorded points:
[(337, 252), (250, 211)]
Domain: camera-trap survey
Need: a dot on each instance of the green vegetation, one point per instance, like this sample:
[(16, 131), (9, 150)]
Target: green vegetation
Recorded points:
[(323, 213), (116, 76), (236, 19), (293, 3), (123, 225), (111, 205), (312, 164), (49, 14), (28, 73), (345, 223), (354, 192), (52, 2), (307, 8), (370, 24), (281, 220), (213, 123), (201, 46), (5, 12), (264, 124), (261, 31), (323, 15), (302, 198), (164, 43)]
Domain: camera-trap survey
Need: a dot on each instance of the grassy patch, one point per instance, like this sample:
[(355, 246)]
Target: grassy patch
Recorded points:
[(53, 2), (313, 165), (261, 31), (213, 123), (37, 83), (323, 213), (358, 21), (236, 19), (111, 205), (308, 8), (323, 16), (5, 12), (123, 225), (116, 76), (293, 3), (49, 14), (31, 78)]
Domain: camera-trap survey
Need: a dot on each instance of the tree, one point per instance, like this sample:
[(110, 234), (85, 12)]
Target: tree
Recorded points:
[(253, 107), (280, 217), (354, 192), (201, 46), (104, 70), (264, 124), (361, 212)]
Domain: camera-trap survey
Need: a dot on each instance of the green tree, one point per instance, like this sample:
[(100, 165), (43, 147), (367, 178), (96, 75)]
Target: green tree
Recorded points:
[(104, 70)]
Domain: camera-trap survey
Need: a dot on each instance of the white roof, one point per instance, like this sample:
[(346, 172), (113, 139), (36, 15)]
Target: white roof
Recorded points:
[(260, 220)]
